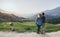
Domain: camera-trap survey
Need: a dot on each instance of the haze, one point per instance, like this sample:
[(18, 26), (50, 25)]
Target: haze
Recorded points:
[(27, 7)]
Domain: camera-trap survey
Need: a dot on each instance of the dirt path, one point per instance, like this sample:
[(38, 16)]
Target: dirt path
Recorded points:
[(32, 34)]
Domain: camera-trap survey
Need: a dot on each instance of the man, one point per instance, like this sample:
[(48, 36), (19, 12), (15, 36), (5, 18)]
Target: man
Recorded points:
[(43, 23)]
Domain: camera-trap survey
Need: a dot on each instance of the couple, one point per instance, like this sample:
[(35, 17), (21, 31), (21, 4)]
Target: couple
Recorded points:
[(40, 20)]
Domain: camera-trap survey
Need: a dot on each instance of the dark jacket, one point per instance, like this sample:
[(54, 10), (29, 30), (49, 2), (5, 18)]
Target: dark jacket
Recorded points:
[(43, 19)]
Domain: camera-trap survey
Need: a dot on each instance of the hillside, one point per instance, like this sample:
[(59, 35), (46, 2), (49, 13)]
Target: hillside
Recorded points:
[(5, 16), (53, 13)]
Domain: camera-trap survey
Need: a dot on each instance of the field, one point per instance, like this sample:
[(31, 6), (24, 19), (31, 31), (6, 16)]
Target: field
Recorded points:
[(27, 27)]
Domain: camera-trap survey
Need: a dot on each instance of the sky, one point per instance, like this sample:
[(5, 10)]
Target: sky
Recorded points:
[(26, 7)]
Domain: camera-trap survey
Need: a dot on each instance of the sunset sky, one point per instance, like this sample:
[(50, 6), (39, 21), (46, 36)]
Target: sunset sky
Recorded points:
[(25, 7)]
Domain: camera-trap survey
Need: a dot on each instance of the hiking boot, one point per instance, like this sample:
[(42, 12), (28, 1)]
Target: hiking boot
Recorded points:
[(38, 32), (42, 33)]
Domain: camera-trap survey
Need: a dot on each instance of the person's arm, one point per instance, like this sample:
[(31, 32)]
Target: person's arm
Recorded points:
[(36, 20)]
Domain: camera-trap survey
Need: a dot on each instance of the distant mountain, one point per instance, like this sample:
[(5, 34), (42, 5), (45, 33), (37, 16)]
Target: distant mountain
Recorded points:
[(5, 16), (53, 13)]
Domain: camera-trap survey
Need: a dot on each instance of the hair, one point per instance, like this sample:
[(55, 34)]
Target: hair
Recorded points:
[(43, 13), (39, 16)]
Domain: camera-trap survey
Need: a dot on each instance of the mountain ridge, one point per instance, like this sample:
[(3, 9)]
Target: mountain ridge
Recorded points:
[(4, 16)]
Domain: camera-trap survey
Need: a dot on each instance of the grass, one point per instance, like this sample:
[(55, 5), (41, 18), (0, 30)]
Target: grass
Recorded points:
[(27, 27)]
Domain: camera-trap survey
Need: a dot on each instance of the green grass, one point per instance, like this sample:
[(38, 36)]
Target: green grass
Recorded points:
[(27, 27)]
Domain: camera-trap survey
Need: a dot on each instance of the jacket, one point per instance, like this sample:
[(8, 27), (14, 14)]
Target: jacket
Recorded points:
[(39, 21)]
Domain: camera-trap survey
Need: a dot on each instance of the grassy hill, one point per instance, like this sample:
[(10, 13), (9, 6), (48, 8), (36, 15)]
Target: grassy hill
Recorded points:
[(27, 27)]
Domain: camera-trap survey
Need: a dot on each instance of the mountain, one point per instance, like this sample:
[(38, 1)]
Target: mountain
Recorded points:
[(5, 16), (53, 13)]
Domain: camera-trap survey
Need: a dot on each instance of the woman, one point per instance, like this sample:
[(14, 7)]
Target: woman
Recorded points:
[(38, 22)]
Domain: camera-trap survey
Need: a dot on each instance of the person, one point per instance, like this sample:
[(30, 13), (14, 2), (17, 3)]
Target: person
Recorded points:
[(43, 23), (38, 22)]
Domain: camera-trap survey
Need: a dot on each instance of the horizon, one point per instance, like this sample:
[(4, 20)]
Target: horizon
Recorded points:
[(27, 7)]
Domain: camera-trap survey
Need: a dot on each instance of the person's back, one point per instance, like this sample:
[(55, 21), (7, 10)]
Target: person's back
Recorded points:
[(43, 19), (43, 23)]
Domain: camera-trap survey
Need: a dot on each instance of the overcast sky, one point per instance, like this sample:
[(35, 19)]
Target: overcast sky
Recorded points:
[(24, 7)]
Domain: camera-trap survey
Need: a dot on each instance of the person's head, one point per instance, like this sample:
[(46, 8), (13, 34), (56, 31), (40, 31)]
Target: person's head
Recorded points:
[(43, 13), (39, 15)]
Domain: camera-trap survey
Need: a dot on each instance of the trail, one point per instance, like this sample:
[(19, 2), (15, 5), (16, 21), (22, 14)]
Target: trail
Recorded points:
[(29, 34)]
